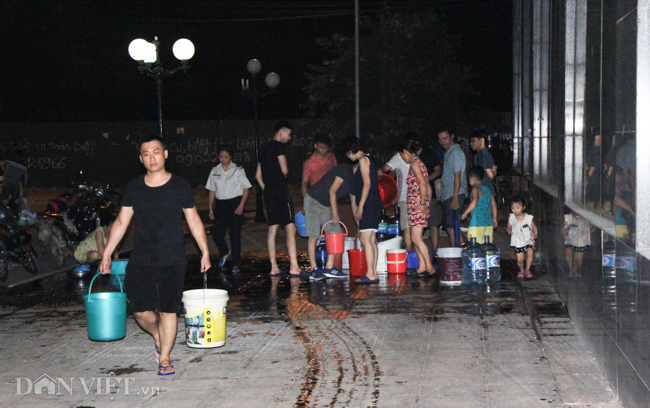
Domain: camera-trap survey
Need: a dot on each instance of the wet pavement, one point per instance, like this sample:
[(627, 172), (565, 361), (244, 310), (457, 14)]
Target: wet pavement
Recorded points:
[(310, 344)]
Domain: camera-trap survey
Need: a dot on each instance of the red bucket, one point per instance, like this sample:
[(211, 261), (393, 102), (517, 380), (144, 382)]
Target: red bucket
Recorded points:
[(334, 241), (387, 189), (396, 261), (357, 260)]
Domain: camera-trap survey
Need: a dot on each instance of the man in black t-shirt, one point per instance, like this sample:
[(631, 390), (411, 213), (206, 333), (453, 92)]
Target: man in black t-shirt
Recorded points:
[(484, 159), (155, 274), (321, 206), (272, 172)]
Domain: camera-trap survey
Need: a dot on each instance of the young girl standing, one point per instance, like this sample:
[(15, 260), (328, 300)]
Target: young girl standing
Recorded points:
[(366, 205), (523, 232)]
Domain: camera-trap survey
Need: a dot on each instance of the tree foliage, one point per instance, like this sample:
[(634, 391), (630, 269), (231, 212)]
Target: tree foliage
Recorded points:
[(409, 79)]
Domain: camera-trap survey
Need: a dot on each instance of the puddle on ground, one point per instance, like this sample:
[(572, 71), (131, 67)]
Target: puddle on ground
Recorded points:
[(123, 370), (253, 293), (254, 296)]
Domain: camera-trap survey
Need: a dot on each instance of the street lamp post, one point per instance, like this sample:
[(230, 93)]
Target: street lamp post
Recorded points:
[(146, 54), (272, 80)]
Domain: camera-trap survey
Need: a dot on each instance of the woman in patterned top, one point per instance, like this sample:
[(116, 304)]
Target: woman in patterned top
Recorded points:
[(417, 200)]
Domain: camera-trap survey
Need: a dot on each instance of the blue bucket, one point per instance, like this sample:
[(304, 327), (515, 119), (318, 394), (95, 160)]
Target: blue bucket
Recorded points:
[(105, 313), (412, 261), (300, 224), (119, 267)]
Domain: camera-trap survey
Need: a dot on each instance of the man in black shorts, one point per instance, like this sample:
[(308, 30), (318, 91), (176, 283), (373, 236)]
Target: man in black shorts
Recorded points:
[(272, 172), (155, 274)]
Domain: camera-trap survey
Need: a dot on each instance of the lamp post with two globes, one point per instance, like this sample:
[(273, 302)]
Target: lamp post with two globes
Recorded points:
[(272, 80), (146, 54)]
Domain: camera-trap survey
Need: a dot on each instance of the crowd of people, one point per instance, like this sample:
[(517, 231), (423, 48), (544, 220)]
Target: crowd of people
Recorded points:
[(158, 200), (425, 175)]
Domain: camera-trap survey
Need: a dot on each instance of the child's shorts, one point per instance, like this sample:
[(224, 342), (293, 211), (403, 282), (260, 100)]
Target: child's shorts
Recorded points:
[(575, 248), (480, 232), (523, 249)]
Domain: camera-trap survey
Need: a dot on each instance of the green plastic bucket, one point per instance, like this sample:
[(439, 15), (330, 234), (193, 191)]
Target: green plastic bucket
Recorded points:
[(105, 313)]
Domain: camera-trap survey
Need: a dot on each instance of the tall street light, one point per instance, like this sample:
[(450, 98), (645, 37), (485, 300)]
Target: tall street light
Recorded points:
[(272, 80), (146, 54)]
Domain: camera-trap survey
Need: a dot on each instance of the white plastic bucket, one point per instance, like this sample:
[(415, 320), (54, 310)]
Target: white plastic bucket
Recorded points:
[(205, 317), (450, 265)]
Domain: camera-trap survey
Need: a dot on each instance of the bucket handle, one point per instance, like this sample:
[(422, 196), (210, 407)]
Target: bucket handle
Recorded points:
[(340, 222), (95, 277)]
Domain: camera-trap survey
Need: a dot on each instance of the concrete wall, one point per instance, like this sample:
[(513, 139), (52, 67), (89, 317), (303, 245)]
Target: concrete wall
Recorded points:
[(105, 151)]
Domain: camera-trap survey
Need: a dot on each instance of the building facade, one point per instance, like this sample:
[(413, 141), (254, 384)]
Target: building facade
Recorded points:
[(581, 127)]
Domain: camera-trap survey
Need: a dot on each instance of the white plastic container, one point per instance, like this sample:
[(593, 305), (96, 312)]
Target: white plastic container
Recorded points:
[(450, 266), (205, 317), (393, 243)]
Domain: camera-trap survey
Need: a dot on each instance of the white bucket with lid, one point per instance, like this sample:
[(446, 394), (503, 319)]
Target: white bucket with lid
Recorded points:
[(450, 264), (205, 317)]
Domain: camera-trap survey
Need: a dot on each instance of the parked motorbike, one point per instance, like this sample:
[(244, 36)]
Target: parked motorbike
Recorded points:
[(15, 242), (61, 227)]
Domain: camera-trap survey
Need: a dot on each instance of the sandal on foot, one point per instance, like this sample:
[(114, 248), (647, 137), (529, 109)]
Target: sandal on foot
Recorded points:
[(520, 275), (528, 275), (223, 260), (303, 274), (278, 274), (364, 280), (162, 370), (157, 354)]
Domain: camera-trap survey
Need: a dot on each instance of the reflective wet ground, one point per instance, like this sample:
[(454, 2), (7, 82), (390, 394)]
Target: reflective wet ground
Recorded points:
[(321, 344), (253, 291)]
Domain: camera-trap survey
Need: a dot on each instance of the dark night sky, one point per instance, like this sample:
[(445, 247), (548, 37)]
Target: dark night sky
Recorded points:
[(67, 60)]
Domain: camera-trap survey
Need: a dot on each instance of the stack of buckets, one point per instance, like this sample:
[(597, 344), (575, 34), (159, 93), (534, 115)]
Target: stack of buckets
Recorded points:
[(205, 317)]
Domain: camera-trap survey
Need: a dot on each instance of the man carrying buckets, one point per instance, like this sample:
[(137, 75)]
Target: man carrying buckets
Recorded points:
[(320, 206), (155, 274)]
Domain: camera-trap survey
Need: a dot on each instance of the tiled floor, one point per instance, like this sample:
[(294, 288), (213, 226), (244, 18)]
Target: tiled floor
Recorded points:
[(293, 343)]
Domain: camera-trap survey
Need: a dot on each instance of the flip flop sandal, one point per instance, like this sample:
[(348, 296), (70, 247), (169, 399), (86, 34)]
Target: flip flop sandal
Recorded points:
[(304, 274), (520, 275), (279, 274), (163, 368), (364, 280), (157, 351)]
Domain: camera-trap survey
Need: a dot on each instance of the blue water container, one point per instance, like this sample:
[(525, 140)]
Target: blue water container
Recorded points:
[(321, 253), (492, 261), (474, 266)]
